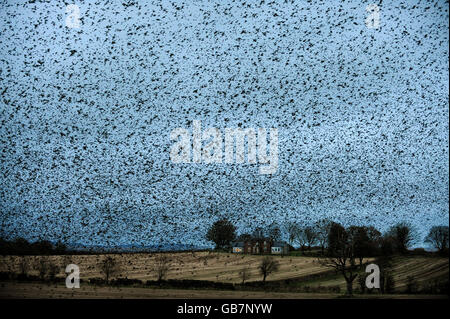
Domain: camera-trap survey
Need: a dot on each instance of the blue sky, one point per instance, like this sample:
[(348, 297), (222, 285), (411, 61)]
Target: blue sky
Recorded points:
[(86, 116)]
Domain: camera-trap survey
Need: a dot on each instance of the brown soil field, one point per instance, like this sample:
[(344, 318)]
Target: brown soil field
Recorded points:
[(213, 266), (43, 291), (220, 267), (423, 269)]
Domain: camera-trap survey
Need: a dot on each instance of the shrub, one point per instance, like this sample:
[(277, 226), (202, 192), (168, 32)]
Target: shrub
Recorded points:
[(42, 267), (53, 270), (336, 289), (162, 267), (362, 282), (222, 232), (190, 284), (24, 265), (389, 285), (126, 282), (442, 287), (97, 281), (4, 276), (23, 277)]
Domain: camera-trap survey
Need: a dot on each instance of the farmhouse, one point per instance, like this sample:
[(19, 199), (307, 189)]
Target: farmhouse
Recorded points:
[(280, 248), (261, 246)]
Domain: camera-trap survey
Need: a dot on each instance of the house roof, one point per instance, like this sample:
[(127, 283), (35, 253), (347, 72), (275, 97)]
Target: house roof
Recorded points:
[(255, 241), (279, 244)]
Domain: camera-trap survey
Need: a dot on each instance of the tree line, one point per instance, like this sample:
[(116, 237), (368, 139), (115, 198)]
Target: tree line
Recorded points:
[(368, 241), (22, 247)]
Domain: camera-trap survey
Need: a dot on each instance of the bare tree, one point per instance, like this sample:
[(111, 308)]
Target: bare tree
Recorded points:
[(9, 263), (244, 237), (109, 267), (403, 236), (24, 265), (306, 237), (65, 261), (53, 270), (387, 282), (301, 239), (310, 236), (342, 256), (362, 282), (267, 266), (245, 274), (161, 267), (438, 237), (222, 233), (42, 265), (259, 233), (292, 231), (322, 229), (274, 232)]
